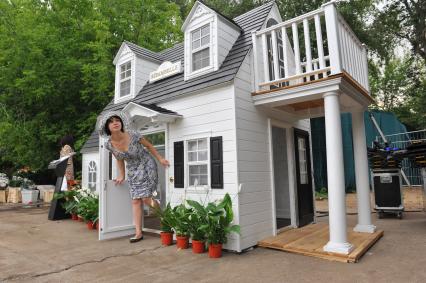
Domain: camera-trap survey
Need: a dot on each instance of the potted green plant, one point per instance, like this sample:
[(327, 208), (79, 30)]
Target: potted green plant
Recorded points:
[(197, 226), (88, 210), (167, 222), (218, 227), (70, 204), (181, 225)]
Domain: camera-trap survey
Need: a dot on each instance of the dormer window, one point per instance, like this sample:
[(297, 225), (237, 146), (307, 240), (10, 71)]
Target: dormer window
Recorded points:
[(125, 78), (200, 48)]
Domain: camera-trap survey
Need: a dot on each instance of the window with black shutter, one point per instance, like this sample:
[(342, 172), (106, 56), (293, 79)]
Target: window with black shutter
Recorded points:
[(179, 164), (216, 162)]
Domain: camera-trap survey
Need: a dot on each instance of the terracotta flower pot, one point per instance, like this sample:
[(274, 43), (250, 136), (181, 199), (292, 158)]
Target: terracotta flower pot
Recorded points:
[(197, 247), (166, 238), (90, 225), (182, 242), (215, 250), (97, 225), (74, 217)]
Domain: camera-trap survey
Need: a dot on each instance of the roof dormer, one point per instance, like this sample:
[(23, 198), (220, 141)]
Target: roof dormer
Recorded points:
[(133, 64), (208, 37)]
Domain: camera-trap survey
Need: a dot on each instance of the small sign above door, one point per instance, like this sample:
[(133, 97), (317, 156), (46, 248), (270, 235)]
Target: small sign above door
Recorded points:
[(165, 70)]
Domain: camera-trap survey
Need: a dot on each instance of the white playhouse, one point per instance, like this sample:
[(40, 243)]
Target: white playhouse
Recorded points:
[(229, 107)]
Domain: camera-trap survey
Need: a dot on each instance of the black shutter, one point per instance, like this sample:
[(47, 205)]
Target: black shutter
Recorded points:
[(216, 162), (179, 164)]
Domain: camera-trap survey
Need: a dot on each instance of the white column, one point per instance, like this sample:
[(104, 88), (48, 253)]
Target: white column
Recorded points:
[(336, 177), (361, 174)]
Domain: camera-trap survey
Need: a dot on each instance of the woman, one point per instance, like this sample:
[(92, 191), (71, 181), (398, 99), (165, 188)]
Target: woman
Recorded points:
[(142, 176), (67, 143)]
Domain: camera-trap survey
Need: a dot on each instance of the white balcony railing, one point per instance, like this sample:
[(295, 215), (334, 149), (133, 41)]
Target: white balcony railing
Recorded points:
[(330, 47)]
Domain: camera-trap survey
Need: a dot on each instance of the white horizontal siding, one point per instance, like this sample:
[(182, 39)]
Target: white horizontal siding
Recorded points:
[(253, 163), (226, 37)]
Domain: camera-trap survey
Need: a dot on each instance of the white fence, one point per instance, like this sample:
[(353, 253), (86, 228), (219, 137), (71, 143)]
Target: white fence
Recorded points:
[(330, 47)]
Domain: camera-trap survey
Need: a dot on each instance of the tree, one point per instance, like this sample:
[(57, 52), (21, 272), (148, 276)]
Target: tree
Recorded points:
[(404, 20), (56, 71)]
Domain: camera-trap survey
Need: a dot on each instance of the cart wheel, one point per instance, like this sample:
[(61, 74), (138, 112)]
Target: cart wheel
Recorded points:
[(380, 214), (400, 215)]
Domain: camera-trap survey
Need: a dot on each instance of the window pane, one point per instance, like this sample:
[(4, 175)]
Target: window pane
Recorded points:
[(192, 156), (202, 155), (196, 34), (192, 145), (203, 169), (203, 180), (205, 62), (128, 73), (202, 144), (122, 75), (205, 40), (205, 30), (195, 44), (123, 68), (125, 88), (194, 169), (194, 180)]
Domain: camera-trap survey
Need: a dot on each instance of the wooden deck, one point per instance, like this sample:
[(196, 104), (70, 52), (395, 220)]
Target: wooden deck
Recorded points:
[(311, 239)]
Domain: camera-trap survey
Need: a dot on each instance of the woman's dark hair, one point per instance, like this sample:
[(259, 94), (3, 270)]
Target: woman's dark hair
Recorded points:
[(67, 140), (106, 128)]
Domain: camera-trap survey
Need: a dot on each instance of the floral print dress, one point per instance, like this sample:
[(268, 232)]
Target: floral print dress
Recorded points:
[(141, 167)]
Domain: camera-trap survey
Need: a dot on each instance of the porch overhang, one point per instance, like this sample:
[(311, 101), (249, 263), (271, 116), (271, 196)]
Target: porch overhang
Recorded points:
[(306, 99), (149, 113)]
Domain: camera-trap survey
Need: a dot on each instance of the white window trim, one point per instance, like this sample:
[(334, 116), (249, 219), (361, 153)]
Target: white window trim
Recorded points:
[(117, 98), (189, 187), (213, 45)]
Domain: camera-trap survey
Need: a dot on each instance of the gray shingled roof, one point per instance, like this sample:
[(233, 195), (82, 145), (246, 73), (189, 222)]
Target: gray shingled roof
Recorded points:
[(143, 52), (175, 86)]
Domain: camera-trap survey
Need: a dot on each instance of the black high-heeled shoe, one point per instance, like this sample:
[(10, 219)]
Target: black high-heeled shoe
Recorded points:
[(135, 240)]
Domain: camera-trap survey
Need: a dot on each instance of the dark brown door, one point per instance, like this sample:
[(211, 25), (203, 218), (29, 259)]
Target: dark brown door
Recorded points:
[(304, 179)]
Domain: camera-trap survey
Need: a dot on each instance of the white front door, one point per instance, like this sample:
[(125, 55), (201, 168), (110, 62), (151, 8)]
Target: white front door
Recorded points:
[(115, 208)]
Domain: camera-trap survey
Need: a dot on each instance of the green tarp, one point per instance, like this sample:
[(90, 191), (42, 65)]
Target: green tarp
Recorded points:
[(388, 123)]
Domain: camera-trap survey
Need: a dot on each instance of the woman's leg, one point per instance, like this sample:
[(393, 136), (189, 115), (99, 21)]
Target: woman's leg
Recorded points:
[(151, 202), (137, 215)]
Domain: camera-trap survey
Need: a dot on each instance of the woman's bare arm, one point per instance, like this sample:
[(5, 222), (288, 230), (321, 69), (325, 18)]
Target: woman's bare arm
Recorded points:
[(154, 152), (121, 170)]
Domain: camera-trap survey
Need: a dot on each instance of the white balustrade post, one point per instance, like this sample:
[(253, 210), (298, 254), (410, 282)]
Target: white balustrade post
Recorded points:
[(320, 47), (336, 179), (307, 46), (255, 63), (331, 23), (296, 48), (265, 58), (365, 65), (361, 174), (285, 51), (275, 55)]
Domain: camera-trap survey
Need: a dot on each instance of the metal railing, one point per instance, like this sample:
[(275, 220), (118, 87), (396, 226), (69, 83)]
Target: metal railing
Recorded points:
[(330, 47), (401, 141)]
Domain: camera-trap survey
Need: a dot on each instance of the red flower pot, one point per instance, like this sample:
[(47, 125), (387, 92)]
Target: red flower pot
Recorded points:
[(215, 250), (97, 225), (197, 247), (90, 225), (80, 219), (74, 217), (182, 242), (166, 238)]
